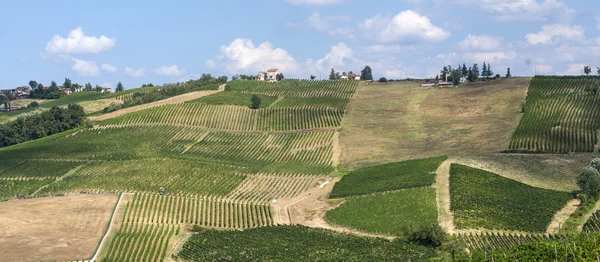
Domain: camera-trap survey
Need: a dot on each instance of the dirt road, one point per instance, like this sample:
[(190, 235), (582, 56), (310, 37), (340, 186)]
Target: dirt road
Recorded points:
[(171, 100), (442, 185)]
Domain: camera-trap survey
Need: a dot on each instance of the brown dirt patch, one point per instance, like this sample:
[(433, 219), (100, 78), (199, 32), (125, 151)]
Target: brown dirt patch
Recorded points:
[(173, 100), (561, 216), (54, 228), (394, 122), (442, 186)]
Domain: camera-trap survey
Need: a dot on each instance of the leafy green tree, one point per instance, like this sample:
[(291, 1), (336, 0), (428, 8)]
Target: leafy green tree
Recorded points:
[(444, 73), (235, 77), (484, 70), (332, 75), (4, 101), (464, 70), (33, 85), (456, 75), (382, 79), (587, 70), (120, 87), (508, 72), (489, 70), (595, 163), (312, 77), (589, 181), (471, 75), (34, 104), (88, 86), (75, 87), (432, 235), (98, 88), (366, 73), (67, 84), (53, 85), (475, 69), (598, 70), (255, 102)]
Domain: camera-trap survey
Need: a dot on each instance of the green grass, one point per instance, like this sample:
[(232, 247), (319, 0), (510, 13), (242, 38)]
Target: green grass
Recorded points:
[(393, 213), (295, 243), (64, 100), (481, 199), (12, 188), (233, 98), (386, 177)]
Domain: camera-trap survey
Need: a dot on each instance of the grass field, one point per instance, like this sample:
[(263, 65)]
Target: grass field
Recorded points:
[(481, 199), (386, 177), (292, 243), (393, 122), (234, 98), (55, 228), (393, 213), (550, 171)]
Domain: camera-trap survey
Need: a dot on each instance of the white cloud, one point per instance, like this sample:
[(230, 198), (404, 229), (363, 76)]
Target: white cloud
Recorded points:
[(574, 69), (543, 69), (597, 21), (135, 72), (334, 59), (480, 42), (551, 33), (446, 56), (406, 27), (242, 56), (85, 68), (210, 64), (169, 71), (323, 24), (109, 68), (524, 10), (492, 56), (314, 2), (389, 49), (78, 43)]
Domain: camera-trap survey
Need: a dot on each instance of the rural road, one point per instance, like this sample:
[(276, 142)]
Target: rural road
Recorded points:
[(442, 185), (172, 100), (110, 224)]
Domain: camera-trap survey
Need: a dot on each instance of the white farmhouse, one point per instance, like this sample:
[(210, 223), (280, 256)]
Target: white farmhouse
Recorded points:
[(261, 76), (272, 74)]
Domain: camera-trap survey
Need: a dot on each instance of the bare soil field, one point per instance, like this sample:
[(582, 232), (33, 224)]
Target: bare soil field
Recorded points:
[(393, 122), (97, 105), (26, 101), (550, 171), (171, 100), (54, 228)]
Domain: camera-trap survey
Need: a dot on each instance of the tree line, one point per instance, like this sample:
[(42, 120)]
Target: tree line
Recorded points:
[(587, 70), (40, 125), (471, 73), (365, 74), (53, 91)]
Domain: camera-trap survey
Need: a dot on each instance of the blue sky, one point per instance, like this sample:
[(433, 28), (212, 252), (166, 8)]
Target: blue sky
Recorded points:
[(138, 42)]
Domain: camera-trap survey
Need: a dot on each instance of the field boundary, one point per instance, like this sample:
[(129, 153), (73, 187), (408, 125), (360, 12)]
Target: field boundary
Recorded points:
[(562, 215), (110, 223)]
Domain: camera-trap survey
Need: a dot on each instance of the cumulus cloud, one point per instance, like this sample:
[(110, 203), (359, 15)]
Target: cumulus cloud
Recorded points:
[(524, 10), (324, 24), (85, 68), (241, 55), (109, 68), (480, 42), (172, 70), (334, 59), (551, 33), (597, 21), (135, 72), (492, 56), (314, 2), (406, 27), (78, 43)]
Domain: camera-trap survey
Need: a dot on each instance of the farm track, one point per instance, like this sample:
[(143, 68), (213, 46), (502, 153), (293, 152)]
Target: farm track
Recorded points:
[(561, 216), (172, 100), (69, 173), (110, 226), (442, 185)]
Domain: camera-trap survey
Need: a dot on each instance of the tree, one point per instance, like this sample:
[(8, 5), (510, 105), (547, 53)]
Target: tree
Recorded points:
[(382, 79), (595, 163), (255, 102), (598, 68), (4, 101), (88, 86), (33, 85), (444, 73), (484, 70), (235, 77), (33, 104), (53, 85), (589, 181), (475, 70), (312, 77), (119, 88), (432, 235), (67, 84), (437, 78), (587, 70), (332, 75), (98, 88), (75, 87), (464, 70), (455, 74), (366, 73), (489, 71), (508, 72)]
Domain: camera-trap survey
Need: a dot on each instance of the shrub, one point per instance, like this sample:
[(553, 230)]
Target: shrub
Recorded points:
[(34, 104), (432, 235), (382, 79), (255, 102), (589, 181)]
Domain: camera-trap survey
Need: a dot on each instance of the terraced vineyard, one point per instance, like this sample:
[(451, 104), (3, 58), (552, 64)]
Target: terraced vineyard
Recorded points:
[(593, 223), (499, 240), (198, 210), (140, 242), (265, 187), (297, 88), (562, 114)]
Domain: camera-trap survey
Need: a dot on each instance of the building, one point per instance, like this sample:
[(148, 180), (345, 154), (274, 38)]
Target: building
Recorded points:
[(261, 76), (350, 77), (445, 84), (105, 90), (427, 84), (65, 91), (270, 76), (22, 91)]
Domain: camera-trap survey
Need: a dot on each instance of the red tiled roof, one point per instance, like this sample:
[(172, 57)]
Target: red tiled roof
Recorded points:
[(272, 70)]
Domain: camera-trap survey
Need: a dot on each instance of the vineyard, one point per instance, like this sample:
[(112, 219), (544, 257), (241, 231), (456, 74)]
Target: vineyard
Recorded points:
[(391, 213), (10, 188), (481, 199), (386, 177), (593, 223), (234, 98), (286, 243), (562, 114), (37, 169), (141, 242), (499, 240)]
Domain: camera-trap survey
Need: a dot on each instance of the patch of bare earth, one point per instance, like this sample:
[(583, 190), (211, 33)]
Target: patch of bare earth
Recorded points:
[(172, 100), (393, 122), (309, 208), (442, 185), (561, 216), (54, 228)]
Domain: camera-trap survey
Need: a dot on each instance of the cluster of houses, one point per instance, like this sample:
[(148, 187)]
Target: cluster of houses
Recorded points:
[(19, 92), (442, 83), (273, 75), (350, 77)]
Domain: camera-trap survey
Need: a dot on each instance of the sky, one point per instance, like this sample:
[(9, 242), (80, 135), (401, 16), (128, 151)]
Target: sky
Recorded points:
[(137, 42)]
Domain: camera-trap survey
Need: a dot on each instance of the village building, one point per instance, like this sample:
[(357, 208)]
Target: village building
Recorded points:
[(272, 75), (105, 90)]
